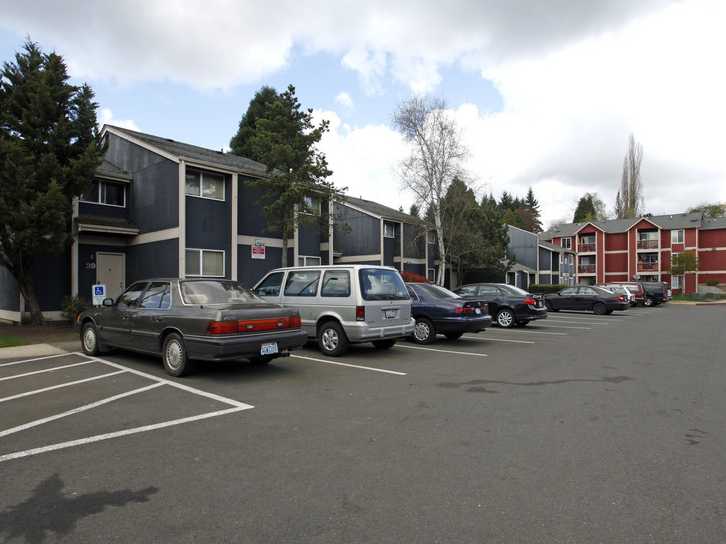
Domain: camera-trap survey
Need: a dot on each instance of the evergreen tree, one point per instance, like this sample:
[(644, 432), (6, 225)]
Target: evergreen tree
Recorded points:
[(585, 210), (506, 202), (285, 139), (414, 210), (48, 154), (533, 213)]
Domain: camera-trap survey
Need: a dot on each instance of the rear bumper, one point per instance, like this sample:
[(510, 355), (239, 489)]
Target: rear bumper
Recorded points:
[(360, 331), (463, 324), (527, 313), (205, 348), (619, 307)]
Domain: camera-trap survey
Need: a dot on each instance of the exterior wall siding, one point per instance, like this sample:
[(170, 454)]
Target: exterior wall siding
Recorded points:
[(616, 242), (251, 213), (711, 238), (711, 260), (523, 246), (309, 239), (356, 233), (600, 262), (691, 237), (155, 259), (389, 250), (9, 295), (250, 270), (616, 262), (50, 288)]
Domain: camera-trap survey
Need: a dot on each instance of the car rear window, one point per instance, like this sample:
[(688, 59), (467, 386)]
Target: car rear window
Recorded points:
[(435, 291), (512, 290), (381, 284), (215, 292)]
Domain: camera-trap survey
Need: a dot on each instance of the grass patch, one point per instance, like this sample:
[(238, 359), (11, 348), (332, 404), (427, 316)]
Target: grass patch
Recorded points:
[(9, 341)]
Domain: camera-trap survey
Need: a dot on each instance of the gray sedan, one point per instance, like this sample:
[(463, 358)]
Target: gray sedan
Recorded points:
[(187, 320)]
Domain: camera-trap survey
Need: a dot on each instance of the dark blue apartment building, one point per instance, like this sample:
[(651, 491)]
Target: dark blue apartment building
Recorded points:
[(159, 207)]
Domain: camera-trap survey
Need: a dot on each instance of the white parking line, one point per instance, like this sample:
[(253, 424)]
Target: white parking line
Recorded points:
[(578, 322), (36, 359), (564, 327), (116, 434), (489, 338), (349, 364), (59, 386), (443, 350), (529, 331), (46, 370), (79, 409)]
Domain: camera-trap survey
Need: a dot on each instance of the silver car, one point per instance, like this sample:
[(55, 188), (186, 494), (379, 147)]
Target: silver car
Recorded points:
[(343, 304)]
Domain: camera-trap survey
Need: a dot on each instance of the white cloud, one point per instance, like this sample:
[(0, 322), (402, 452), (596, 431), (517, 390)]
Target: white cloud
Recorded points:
[(344, 99), (105, 117)]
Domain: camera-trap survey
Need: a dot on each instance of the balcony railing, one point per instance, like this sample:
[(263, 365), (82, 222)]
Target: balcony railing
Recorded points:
[(647, 244), (584, 248), (647, 266), (586, 269)]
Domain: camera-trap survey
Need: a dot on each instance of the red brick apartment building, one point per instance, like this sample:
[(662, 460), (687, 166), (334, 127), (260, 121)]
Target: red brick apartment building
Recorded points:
[(641, 249)]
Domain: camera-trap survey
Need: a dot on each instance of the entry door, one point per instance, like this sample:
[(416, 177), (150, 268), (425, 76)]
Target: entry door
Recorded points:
[(111, 271)]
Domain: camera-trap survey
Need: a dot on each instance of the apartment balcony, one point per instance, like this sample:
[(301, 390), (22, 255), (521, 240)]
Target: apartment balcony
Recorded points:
[(586, 269), (647, 244), (586, 248), (647, 266)]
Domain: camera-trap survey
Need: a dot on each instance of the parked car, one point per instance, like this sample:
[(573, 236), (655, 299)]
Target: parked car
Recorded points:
[(188, 320), (635, 288), (656, 293), (343, 304), (620, 290), (510, 306), (586, 297), (440, 311)]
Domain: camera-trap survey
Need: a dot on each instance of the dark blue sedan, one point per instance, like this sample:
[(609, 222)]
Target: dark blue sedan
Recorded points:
[(439, 311)]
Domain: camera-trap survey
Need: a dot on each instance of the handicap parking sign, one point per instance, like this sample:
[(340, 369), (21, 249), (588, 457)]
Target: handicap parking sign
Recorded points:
[(99, 293)]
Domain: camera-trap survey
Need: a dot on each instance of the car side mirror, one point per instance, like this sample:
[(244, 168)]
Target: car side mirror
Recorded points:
[(108, 302)]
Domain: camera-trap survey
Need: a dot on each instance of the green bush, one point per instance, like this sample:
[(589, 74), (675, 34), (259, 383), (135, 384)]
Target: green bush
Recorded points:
[(72, 306), (712, 283), (541, 289)]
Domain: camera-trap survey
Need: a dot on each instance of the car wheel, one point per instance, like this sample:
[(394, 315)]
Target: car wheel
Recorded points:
[(505, 318), (424, 331), (648, 302), (89, 339), (174, 356), (453, 335), (609, 312), (332, 340), (384, 344), (599, 309)]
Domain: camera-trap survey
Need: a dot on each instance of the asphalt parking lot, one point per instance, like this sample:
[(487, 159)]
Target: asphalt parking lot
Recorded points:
[(579, 428)]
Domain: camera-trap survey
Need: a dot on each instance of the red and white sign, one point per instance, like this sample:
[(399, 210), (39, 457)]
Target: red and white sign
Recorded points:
[(258, 250)]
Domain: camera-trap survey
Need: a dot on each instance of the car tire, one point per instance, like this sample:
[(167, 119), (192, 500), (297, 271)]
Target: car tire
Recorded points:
[(332, 340), (89, 339), (174, 356), (424, 331), (648, 302), (453, 335), (505, 318), (384, 344), (599, 309), (609, 312)]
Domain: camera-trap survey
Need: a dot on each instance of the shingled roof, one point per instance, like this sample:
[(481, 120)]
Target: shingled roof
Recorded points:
[(614, 226), (382, 211), (191, 152)]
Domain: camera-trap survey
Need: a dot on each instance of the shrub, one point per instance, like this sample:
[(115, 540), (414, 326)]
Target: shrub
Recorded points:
[(413, 277), (712, 283), (546, 288), (72, 306)]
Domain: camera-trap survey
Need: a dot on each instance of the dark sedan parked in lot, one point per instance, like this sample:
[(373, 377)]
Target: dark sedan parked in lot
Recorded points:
[(509, 305), (588, 298), (185, 320), (439, 311)]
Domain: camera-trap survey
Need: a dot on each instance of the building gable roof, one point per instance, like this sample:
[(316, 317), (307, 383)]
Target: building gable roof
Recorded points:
[(380, 210), (617, 226)]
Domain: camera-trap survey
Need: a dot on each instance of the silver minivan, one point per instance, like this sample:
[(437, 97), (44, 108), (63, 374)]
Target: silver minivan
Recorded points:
[(343, 304)]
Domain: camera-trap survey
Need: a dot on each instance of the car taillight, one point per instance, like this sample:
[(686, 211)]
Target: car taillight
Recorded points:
[(360, 313), (529, 301), (621, 298), (222, 327), (464, 309), (295, 322)]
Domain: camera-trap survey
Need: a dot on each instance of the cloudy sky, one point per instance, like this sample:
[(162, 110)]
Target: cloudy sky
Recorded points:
[(545, 93)]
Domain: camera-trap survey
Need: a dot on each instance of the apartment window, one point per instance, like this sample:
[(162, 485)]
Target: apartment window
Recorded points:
[(106, 193), (676, 282), (567, 243), (205, 263), (677, 236), (303, 260), (431, 274), (205, 184), (389, 230), (311, 206)]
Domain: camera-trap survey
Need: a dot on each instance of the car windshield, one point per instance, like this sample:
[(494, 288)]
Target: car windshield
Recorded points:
[(436, 291), (511, 289), (381, 284), (215, 292)]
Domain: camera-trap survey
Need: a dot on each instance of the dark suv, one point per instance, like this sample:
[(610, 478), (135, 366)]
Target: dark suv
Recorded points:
[(656, 293), (509, 306)]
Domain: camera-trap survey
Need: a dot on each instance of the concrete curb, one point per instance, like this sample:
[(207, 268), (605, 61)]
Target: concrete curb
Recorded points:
[(32, 350), (695, 303)]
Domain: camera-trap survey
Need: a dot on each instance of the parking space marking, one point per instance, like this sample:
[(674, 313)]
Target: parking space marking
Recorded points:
[(523, 331), (579, 322), (443, 350), (78, 410), (11, 363), (60, 386), (489, 338), (45, 370), (563, 327), (397, 373), (116, 434)]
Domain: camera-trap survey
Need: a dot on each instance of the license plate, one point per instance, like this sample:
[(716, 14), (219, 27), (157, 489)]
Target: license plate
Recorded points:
[(268, 349), (390, 314)]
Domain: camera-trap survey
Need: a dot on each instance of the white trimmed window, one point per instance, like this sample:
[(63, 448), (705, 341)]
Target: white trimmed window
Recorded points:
[(567, 243), (205, 263), (311, 206), (106, 193), (431, 274), (304, 260), (676, 282), (389, 230), (205, 184), (677, 237)]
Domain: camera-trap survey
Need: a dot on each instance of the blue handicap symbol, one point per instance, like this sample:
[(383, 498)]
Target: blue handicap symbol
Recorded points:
[(99, 290)]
